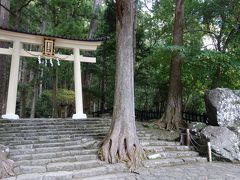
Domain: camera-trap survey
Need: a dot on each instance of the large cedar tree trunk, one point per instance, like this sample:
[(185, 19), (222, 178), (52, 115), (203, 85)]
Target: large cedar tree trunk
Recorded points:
[(4, 19), (172, 117), (121, 143)]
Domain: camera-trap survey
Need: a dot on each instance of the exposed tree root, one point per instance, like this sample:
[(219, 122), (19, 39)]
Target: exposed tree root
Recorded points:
[(121, 147), (171, 120), (6, 165)]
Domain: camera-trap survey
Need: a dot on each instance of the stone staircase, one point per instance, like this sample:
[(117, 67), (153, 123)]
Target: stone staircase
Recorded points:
[(49, 149)]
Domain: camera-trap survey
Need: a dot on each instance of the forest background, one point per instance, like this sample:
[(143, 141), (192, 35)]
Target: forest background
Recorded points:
[(210, 54)]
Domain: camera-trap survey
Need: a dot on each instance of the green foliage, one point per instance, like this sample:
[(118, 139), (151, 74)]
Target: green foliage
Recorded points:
[(65, 97), (44, 105), (215, 20)]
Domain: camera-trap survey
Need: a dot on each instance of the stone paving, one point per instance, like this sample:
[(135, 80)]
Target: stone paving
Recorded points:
[(205, 171), (199, 171)]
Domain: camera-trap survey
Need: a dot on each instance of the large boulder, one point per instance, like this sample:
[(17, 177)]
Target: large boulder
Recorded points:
[(223, 107), (236, 130), (224, 143), (6, 165)]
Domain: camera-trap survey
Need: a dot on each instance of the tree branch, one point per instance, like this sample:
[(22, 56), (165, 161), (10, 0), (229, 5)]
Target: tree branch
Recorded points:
[(228, 39), (201, 30), (7, 9), (145, 3), (26, 4), (219, 37), (231, 34)]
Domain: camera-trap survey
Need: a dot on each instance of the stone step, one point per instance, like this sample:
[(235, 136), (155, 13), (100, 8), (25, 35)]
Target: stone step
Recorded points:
[(167, 148), (40, 128), (173, 161), (158, 143), (50, 141), (54, 120), (50, 124), (60, 175), (52, 155), (77, 174), (41, 162), (28, 137), (148, 138), (59, 166), (44, 138), (105, 171), (55, 129), (65, 142), (52, 133), (68, 142), (88, 144), (102, 170), (112, 176), (14, 142), (172, 154), (147, 163)]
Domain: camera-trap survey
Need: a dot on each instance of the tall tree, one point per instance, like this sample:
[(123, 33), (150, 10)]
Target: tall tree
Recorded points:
[(4, 19), (54, 92), (221, 23), (20, 5), (87, 76), (37, 85), (93, 24), (121, 143), (172, 117), (24, 72)]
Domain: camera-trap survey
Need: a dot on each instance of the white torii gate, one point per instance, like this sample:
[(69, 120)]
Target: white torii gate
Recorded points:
[(18, 38)]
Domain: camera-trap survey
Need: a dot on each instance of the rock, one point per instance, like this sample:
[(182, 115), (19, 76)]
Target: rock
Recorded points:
[(196, 127), (224, 143), (236, 130), (6, 165), (223, 107)]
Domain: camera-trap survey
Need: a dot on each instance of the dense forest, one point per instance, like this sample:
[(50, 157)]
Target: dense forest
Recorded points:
[(209, 52)]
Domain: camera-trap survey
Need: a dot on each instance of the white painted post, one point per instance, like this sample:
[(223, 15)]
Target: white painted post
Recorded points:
[(209, 152), (188, 137), (13, 82), (78, 86)]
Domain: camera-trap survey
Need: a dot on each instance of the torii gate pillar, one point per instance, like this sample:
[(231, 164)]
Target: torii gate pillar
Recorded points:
[(78, 86), (13, 82)]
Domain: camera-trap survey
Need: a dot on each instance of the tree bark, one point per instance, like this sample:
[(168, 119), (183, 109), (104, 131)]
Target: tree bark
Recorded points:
[(23, 89), (4, 19), (23, 68), (35, 94), (54, 93), (103, 84), (93, 24), (18, 14), (172, 117), (121, 143)]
